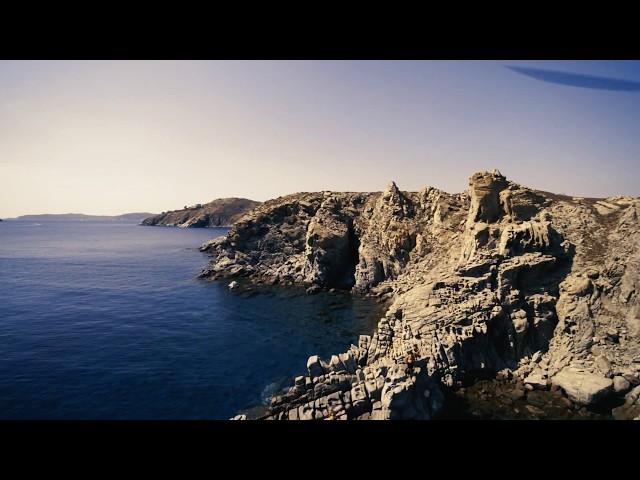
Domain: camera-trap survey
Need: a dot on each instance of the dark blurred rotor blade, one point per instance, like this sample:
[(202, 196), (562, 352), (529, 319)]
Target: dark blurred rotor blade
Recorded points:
[(578, 80)]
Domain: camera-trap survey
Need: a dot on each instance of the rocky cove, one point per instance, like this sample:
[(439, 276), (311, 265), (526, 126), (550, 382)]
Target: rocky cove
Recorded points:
[(503, 294)]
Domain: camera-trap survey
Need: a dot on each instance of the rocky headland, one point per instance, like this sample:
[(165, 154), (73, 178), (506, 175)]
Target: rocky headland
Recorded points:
[(537, 292), (222, 212)]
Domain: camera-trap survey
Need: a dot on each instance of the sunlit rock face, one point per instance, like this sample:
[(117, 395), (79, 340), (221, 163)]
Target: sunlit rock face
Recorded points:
[(500, 278), (330, 246), (485, 189)]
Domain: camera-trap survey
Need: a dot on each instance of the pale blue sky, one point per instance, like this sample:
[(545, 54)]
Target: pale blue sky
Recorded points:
[(110, 137)]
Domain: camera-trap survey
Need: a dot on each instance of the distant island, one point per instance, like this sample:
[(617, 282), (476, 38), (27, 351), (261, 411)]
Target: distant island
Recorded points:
[(222, 212), (80, 217)]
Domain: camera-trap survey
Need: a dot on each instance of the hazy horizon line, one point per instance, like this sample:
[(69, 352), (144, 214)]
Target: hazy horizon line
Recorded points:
[(299, 192)]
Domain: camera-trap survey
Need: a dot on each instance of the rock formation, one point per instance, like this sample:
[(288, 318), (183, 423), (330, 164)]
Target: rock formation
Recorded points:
[(499, 280), (222, 212)]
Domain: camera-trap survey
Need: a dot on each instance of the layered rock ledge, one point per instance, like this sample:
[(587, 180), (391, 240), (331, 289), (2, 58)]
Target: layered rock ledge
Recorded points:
[(498, 280)]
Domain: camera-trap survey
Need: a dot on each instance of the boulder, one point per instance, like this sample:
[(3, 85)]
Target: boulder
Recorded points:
[(631, 408), (306, 412), (349, 362), (582, 387), (603, 365), (620, 384), (578, 286), (364, 341), (336, 365), (314, 366), (537, 380)]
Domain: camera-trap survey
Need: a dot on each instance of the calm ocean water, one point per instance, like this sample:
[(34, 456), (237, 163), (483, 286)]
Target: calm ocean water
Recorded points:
[(108, 321)]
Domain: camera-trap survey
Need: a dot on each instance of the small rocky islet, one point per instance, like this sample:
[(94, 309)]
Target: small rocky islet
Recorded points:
[(502, 300)]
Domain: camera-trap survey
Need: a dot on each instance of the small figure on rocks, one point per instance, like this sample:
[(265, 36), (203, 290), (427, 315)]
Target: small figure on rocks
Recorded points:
[(410, 358)]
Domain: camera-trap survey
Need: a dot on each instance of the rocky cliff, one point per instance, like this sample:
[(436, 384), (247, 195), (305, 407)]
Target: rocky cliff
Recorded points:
[(501, 280), (222, 212)]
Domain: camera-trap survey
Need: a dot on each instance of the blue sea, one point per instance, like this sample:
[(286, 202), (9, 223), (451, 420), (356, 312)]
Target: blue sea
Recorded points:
[(109, 321)]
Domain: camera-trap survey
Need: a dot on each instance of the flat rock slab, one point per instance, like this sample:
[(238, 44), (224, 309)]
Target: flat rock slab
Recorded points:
[(537, 381), (581, 387)]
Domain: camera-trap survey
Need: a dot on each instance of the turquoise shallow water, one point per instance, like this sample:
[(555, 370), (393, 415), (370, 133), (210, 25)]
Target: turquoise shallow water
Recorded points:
[(108, 321)]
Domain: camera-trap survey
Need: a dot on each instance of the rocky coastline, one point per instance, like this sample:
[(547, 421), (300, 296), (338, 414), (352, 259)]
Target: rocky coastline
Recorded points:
[(537, 292), (222, 212)]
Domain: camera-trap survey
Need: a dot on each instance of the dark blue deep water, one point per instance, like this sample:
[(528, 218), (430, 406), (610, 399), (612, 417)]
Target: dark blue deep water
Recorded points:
[(108, 321)]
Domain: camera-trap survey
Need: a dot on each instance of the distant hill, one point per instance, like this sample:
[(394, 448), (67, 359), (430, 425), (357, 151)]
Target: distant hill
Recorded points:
[(79, 217), (222, 212)]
